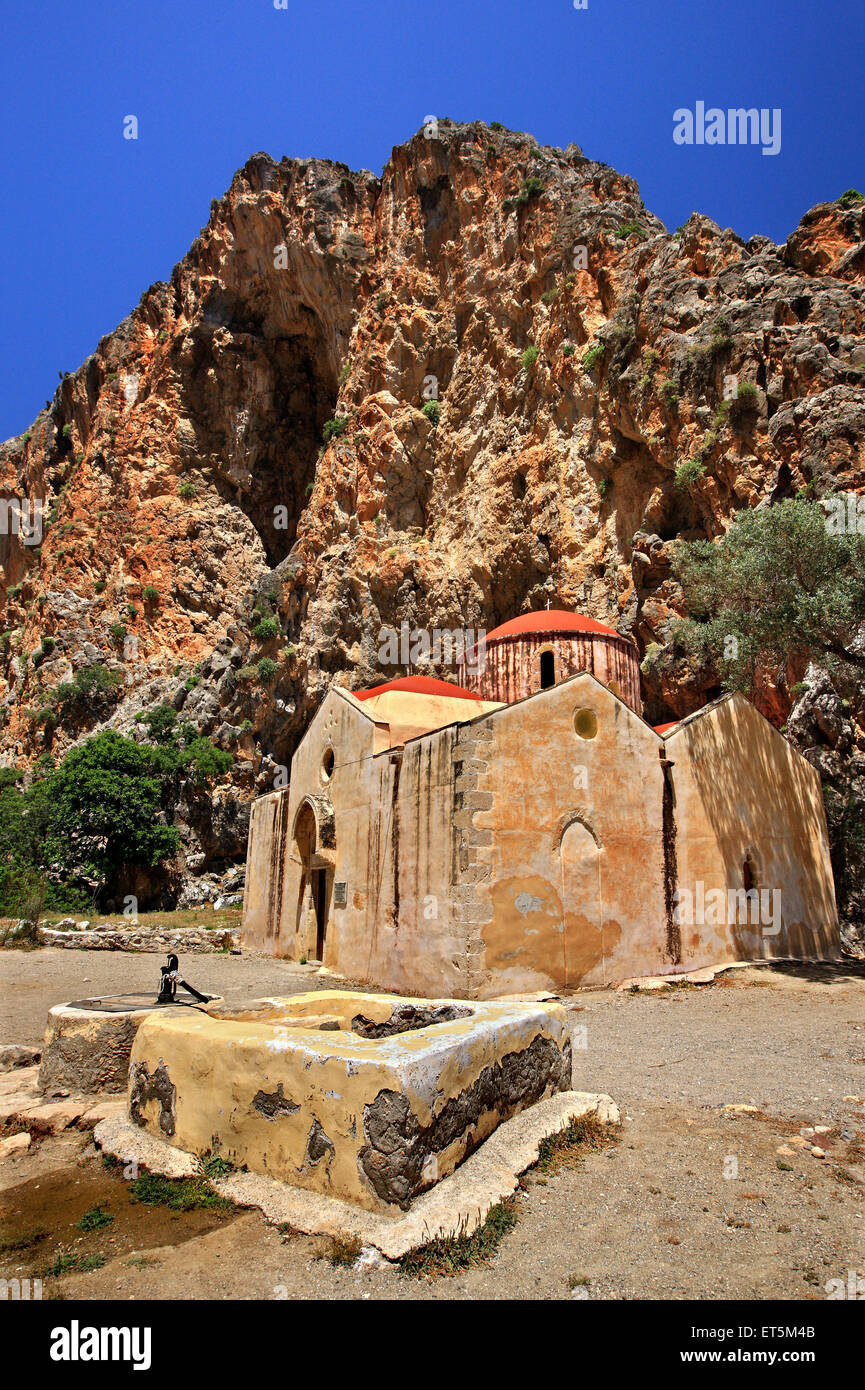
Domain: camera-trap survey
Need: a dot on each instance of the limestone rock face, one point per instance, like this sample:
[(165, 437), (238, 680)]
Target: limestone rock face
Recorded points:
[(184, 454)]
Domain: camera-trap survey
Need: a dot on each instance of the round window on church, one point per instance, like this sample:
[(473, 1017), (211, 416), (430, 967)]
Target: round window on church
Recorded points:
[(327, 765), (586, 723)]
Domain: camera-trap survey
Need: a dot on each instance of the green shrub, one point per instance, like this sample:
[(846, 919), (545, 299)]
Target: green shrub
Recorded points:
[(246, 673), (744, 406), (496, 125), (100, 586), (117, 632), (568, 349), (22, 886), (592, 357), (186, 490), (92, 689), (688, 474), (549, 296), (532, 188), (432, 411), (132, 610), (150, 593), (266, 669), (267, 628), (204, 761), (106, 807), (851, 196), (334, 429), (530, 357), (628, 229), (667, 392)]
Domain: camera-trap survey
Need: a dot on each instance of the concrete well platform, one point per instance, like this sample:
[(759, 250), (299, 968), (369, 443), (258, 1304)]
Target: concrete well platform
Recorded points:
[(368, 1098)]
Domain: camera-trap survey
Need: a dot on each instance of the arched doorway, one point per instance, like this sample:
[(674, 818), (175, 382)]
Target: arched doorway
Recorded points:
[(582, 905), (314, 890)]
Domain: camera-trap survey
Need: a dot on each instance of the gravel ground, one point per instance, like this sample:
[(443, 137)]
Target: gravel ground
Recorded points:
[(34, 980), (653, 1217)]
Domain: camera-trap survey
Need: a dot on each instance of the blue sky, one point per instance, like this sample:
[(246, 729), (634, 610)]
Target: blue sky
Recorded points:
[(90, 219)]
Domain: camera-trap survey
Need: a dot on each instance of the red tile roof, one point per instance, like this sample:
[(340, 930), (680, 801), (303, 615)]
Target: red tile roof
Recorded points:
[(418, 685), (549, 620)]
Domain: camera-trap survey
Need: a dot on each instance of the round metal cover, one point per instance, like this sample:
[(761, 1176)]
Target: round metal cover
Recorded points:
[(117, 1003)]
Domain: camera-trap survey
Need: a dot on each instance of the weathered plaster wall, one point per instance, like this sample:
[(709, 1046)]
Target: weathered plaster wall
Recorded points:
[(568, 830), (743, 792), (266, 856), (540, 847), (384, 830), (512, 668), (410, 715)]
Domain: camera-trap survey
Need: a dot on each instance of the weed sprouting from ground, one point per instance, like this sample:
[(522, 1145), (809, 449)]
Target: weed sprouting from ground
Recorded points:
[(94, 1219), (23, 1242), (179, 1194), (343, 1251), (568, 1147), (450, 1255), (67, 1263), (212, 1166)]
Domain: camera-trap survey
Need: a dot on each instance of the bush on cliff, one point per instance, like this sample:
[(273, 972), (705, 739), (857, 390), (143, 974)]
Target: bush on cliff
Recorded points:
[(778, 585), (80, 827)]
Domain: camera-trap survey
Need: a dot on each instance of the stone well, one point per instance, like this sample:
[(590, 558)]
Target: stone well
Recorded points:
[(370, 1098), (88, 1042)]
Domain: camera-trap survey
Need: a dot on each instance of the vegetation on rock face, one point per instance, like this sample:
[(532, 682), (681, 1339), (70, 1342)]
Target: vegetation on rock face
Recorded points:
[(78, 828), (92, 691), (783, 589), (777, 586), (689, 473), (592, 357), (333, 429)]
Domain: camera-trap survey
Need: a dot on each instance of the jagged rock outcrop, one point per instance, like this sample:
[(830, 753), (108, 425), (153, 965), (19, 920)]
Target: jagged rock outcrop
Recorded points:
[(183, 456)]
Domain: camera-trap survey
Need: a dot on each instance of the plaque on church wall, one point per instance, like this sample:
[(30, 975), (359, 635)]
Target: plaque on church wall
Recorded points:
[(340, 894)]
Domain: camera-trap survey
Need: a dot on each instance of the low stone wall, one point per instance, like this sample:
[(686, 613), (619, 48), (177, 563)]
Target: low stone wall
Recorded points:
[(181, 940)]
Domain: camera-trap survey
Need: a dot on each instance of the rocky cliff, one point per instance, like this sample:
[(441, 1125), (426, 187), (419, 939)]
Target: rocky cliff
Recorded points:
[(578, 352)]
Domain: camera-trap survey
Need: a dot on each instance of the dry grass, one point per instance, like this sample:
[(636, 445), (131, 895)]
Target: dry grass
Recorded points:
[(449, 1255), (343, 1251), (202, 917), (567, 1148)]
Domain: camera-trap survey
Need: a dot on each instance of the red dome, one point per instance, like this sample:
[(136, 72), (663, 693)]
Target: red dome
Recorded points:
[(550, 620), (418, 685), (663, 728)]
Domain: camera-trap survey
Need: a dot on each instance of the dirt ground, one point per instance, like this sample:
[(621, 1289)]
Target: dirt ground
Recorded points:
[(692, 1201)]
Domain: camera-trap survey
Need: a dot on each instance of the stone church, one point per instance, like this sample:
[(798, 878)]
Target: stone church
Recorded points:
[(526, 829)]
